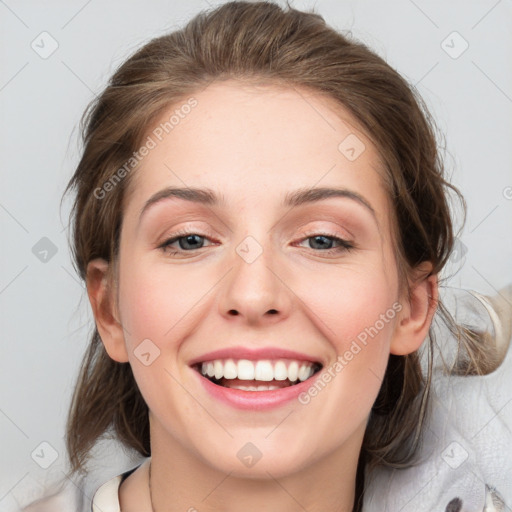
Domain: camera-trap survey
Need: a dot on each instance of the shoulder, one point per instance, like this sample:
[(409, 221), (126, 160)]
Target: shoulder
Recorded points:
[(106, 498), (66, 494)]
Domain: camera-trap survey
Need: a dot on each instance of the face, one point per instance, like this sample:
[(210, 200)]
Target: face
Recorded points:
[(248, 273)]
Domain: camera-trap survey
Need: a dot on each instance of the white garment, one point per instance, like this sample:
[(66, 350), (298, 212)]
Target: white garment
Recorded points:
[(106, 498)]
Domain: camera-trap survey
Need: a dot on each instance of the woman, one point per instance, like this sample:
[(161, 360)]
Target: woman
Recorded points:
[(261, 218)]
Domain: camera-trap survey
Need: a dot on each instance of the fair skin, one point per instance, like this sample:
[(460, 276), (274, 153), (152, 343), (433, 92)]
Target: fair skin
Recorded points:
[(254, 145)]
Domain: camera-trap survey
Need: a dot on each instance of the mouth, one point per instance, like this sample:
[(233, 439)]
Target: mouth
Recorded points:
[(257, 375)]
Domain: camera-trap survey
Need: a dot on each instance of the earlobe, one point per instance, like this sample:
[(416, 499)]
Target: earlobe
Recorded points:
[(416, 317), (101, 297)]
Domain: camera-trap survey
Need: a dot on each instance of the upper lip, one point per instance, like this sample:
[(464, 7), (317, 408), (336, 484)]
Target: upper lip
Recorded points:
[(254, 355)]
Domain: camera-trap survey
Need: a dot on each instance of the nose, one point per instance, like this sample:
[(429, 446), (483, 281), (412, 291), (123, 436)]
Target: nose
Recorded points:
[(255, 291)]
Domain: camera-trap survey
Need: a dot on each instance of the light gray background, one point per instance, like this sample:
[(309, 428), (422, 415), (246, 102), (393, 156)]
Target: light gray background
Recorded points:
[(45, 320)]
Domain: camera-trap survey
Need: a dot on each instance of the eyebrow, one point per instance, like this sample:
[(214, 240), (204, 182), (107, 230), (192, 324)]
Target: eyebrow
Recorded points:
[(293, 199)]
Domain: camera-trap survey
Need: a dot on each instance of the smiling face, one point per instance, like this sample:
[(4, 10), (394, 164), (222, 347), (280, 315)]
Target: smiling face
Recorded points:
[(277, 246)]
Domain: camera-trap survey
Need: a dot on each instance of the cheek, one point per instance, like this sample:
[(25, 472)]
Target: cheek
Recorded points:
[(352, 304), (356, 310), (353, 379), (154, 304), (156, 309)]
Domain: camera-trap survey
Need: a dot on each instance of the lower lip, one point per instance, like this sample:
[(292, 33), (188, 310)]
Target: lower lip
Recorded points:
[(256, 400)]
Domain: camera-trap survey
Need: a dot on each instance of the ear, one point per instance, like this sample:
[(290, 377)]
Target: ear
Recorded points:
[(102, 299), (416, 316)]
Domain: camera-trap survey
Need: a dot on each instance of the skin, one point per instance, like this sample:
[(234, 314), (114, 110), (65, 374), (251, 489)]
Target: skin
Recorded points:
[(254, 144)]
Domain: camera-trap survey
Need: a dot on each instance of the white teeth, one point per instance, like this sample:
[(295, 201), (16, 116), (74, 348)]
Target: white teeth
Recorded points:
[(263, 370), (245, 369), (254, 388), (280, 371), (219, 369), (293, 371), (230, 371), (304, 372)]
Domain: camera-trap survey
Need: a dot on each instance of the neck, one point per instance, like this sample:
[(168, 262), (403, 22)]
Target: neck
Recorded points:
[(181, 481)]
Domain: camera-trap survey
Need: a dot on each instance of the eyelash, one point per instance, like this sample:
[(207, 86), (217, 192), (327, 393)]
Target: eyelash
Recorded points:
[(344, 245)]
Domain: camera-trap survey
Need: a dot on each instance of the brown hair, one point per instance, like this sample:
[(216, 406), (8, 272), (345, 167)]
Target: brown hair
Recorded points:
[(263, 42)]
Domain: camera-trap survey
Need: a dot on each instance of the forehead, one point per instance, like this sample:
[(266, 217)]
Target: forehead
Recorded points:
[(255, 143)]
